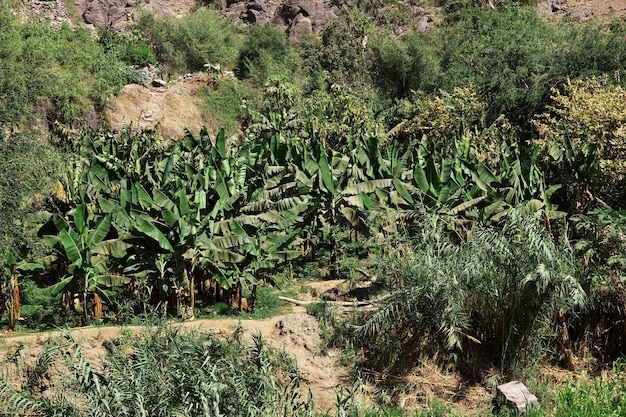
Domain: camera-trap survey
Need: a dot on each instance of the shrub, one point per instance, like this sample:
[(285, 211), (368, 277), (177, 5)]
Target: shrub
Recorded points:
[(400, 65), (165, 373), (503, 289), (187, 44), (584, 131), (265, 51), (28, 169), (60, 74), (514, 57), (438, 117), (344, 56), (129, 48), (223, 103)]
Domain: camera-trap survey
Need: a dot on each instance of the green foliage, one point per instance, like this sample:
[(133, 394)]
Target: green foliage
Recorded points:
[(165, 373), (600, 248), (60, 74), (40, 310), (453, 7), (401, 65), (437, 117), (267, 303), (584, 132), (265, 51), (343, 55), (336, 330), (129, 48), (223, 102), (28, 170), (599, 397), (499, 294), (188, 43), (514, 57)]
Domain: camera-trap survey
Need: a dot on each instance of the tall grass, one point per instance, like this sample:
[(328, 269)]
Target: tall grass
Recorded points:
[(163, 373)]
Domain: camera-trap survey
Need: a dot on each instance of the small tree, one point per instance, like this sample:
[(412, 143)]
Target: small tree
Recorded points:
[(584, 132)]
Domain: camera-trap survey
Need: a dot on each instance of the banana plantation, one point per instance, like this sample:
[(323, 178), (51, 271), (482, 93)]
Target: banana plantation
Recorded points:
[(167, 224)]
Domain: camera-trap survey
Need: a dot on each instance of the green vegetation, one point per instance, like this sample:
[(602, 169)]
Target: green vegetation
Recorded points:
[(187, 44), (52, 75), (164, 373), (476, 169)]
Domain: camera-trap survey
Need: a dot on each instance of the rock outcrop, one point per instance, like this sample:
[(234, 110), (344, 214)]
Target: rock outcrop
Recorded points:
[(53, 12), (119, 13), (298, 17), (106, 12)]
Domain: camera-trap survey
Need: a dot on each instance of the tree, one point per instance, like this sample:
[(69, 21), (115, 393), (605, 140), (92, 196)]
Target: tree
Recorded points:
[(83, 249), (584, 133)]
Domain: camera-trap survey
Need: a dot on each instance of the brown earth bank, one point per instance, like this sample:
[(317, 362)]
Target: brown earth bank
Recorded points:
[(298, 334)]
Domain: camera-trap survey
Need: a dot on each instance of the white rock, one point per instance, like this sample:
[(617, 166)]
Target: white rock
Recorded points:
[(515, 395)]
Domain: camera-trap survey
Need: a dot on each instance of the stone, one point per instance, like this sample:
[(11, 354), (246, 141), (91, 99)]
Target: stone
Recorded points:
[(159, 83), (579, 15), (300, 27), (515, 395)]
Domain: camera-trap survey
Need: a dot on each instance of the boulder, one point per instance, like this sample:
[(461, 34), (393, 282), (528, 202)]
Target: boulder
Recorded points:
[(515, 395), (579, 15), (300, 27), (106, 12), (296, 16)]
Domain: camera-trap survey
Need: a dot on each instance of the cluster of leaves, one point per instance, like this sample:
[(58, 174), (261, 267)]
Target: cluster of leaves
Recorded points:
[(585, 130), (497, 295), (27, 170), (129, 48), (163, 373), (188, 43), (60, 74)]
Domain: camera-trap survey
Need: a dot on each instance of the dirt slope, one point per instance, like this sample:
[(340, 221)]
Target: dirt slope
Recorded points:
[(583, 10), (168, 109)]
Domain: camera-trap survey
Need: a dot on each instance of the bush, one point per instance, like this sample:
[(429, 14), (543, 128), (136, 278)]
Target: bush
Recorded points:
[(513, 57), (584, 131), (401, 65), (58, 75), (28, 169), (223, 103), (187, 44), (129, 48), (265, 51), (164, 373), (497, 296), (344, 56)]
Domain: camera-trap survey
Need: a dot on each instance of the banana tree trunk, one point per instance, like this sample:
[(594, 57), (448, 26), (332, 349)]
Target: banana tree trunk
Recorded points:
[(9, 304), (192, 295), (16, 297), (97, 306)]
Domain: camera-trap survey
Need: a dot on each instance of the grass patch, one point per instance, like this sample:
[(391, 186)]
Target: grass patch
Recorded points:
[(223, 102)]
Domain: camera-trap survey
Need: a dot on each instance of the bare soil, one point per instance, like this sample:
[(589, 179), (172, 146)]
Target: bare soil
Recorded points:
[(169, 110), (586, 9)]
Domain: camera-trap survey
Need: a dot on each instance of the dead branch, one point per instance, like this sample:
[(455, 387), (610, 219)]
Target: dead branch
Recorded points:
[(338, 303)]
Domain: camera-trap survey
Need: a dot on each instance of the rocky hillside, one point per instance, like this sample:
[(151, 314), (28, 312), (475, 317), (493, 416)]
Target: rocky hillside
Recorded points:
[(173, 106), (297, 16)]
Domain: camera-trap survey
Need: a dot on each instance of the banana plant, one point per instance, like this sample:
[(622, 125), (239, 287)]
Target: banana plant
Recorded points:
[(11, 270), (83, 248)]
